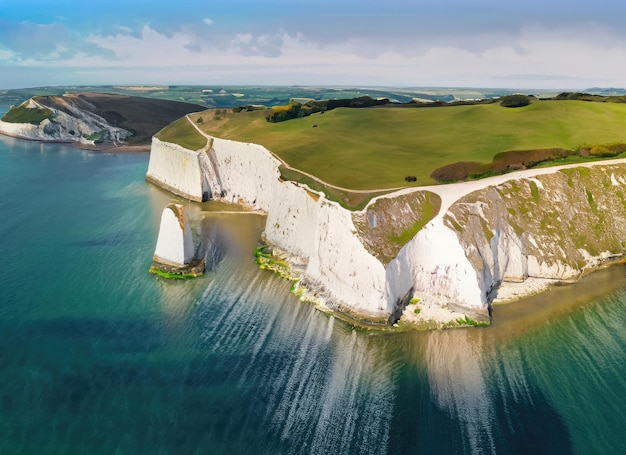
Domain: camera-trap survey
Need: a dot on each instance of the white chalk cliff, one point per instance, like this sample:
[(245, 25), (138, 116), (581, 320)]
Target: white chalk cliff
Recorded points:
[(174, 245), (546, 223), (69, 125)]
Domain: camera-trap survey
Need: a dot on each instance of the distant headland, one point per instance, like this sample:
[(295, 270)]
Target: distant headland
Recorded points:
[(93, 120)]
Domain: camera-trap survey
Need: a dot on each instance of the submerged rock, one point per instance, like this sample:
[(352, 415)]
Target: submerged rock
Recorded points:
[(174, 253)]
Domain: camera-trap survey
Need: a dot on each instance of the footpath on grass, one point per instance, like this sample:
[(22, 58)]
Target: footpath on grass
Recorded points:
[(451, 192), (311, 176)]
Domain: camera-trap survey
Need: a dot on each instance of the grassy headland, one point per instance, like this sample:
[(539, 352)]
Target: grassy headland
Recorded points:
[(378, 147), (183, 133), (23, 114)]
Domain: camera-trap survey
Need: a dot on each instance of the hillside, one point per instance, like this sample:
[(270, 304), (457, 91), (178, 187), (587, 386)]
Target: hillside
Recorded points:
[(93, 118), (378, 147), (225, 96)]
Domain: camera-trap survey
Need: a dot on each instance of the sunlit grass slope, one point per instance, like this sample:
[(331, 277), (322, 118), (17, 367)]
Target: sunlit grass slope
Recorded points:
[(378, 147), (183, 133)]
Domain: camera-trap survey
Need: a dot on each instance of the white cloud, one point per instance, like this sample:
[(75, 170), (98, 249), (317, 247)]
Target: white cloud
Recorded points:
[(6, 55), (533, 57), (124, 29), (207, 21)]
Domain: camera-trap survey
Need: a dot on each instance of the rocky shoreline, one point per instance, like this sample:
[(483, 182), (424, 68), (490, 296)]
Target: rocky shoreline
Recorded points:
[(537, 227)]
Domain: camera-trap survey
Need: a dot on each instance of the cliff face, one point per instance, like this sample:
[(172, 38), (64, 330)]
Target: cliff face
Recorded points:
[(174, 244), (550, 226), (69, 124), (176, 169), (92, 119), (454, 260)]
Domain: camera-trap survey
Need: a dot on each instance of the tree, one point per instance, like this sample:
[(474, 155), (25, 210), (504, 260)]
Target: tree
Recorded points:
[(514, 101)]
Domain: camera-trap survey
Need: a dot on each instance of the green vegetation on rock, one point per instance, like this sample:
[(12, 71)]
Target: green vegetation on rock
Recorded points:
[(389, 223), (534, 191), (96, 137), (22, 114), (428, 211), (467, 321), (172, 276), (514, 101), (562, 219)]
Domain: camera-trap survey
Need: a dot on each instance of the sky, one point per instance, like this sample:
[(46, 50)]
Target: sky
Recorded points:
[(550, 44)]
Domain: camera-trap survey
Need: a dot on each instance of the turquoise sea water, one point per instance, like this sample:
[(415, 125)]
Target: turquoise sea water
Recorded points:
[(98, 356)]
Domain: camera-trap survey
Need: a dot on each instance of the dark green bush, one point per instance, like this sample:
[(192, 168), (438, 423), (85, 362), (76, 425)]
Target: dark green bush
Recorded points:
[(607, 150), (457, 171), (516, 159), (513, 160), (295, 109), (282, 113), (514, 101)]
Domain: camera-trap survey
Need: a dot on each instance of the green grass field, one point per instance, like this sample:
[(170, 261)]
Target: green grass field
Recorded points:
[(21, 114), (182, 133), (377, 147)]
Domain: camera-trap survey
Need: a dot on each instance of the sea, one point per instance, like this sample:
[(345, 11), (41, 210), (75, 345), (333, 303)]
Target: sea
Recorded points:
[(97, 356)]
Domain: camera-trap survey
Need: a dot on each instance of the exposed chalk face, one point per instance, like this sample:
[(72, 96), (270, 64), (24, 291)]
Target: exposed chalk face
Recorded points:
[(75, 125), (175, 243), (176, 169), (508, 228)]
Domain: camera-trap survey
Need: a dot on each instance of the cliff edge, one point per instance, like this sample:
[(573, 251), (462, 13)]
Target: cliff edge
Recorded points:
[(473, 241)]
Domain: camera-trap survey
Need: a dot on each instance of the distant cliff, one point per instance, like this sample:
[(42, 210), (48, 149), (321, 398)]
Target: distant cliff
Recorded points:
[(472, 240), (92, 119)]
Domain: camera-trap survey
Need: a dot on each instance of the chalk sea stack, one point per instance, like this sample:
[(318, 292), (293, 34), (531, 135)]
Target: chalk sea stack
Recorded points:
[(174, 256)]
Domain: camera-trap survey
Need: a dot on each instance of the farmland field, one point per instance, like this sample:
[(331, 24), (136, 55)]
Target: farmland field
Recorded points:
[(377, 147)]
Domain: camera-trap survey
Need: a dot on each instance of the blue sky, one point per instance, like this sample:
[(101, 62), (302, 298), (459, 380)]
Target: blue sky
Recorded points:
[(460, 43)]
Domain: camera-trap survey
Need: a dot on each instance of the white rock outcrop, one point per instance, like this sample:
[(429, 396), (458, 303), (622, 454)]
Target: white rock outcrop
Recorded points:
[(434, 264), (75, 125), (174, 245), (317, 235), (456, 262), (177, 169)]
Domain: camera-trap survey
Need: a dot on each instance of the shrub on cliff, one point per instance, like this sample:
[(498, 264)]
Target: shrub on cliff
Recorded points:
[(457, 171), (361, 101), (514, 101), (295, 109), (582, 97), (607, 150), (511, 160), (514, 159), (282, 113)]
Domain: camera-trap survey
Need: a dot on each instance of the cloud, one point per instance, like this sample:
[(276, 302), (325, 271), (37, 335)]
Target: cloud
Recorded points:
[(260, 45), (6, 55), (27, 42), (530, 56), (37, 40)]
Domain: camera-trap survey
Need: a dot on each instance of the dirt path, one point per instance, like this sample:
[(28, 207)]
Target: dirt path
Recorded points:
[(451, 193), (311, 176)]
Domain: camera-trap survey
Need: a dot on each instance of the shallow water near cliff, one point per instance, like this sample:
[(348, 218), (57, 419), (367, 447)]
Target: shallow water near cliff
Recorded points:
[(98, 356)]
